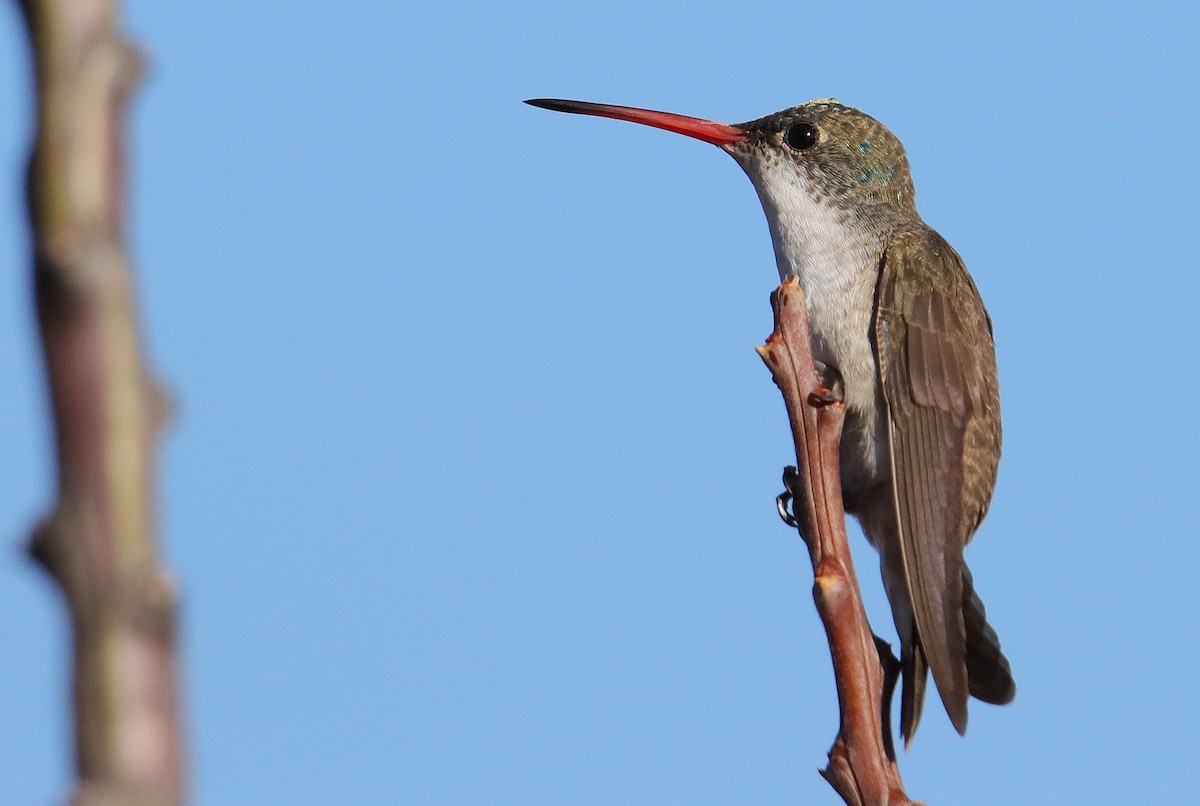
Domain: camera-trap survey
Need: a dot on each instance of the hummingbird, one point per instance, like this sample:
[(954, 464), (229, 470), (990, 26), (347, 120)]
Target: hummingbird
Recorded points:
[(895, 314)]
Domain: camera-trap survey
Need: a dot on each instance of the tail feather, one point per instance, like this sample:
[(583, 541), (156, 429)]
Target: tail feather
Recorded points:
[(915, 672), (989, 675)]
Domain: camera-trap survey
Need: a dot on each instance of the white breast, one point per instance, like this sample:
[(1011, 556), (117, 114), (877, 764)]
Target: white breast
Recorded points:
[(837, 265)]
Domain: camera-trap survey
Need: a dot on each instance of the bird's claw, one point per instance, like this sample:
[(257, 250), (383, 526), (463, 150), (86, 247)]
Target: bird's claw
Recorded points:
[(781, 506), (783, 501)]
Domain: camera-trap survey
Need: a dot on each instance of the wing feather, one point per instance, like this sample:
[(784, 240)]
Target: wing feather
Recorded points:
[(937, 371)]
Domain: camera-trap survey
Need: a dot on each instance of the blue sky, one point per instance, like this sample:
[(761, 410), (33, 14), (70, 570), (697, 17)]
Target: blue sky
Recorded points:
[(470, 486)]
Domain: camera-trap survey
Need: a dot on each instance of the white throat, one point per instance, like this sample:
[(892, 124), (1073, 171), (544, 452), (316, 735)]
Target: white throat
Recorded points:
[(837, 265), (813, 240)]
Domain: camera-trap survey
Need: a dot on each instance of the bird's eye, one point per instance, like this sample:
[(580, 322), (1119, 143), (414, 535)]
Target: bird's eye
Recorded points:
[(802, 136)]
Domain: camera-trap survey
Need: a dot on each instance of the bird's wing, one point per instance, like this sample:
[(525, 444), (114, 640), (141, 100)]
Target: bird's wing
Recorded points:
[(937, 369)]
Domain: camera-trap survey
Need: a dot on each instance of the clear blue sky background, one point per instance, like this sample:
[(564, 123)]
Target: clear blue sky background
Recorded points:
[(470, 489)]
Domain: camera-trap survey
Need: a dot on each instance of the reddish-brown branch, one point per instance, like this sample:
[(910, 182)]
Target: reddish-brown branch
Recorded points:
[(861, 768), (99, 542)]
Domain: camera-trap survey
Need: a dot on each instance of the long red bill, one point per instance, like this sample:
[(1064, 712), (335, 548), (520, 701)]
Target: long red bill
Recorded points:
[(719, 134)]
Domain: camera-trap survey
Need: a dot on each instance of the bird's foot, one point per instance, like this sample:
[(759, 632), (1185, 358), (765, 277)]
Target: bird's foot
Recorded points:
[(783, 502), (830, 389), (783, 507)]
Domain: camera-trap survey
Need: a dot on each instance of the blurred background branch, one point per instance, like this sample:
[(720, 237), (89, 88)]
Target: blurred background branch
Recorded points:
[(99, 542)]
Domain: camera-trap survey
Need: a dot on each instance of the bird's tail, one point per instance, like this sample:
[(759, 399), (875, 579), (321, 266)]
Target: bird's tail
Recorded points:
[(989, 676), (914, 671)]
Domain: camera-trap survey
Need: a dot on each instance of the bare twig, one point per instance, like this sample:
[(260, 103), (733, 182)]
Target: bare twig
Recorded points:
[(99, 542), (861, 767)]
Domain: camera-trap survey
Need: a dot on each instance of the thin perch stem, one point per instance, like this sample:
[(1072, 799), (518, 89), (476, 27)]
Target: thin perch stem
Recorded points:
[(861, 768), (99, 541)]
